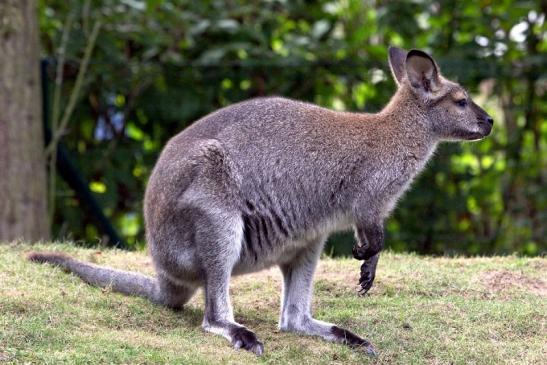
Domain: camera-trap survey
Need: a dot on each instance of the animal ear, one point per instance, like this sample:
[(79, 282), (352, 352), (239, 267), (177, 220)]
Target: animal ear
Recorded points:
[(422, 71), (397, 59)]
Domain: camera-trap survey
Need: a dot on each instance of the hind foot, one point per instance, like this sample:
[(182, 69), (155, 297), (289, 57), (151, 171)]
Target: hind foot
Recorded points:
[(242, 338)]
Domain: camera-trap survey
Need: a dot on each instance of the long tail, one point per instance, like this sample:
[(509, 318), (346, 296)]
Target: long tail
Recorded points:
[(126, 282)]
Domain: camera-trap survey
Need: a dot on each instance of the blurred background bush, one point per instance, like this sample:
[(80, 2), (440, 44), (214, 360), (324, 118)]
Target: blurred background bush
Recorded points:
[(157, 66)]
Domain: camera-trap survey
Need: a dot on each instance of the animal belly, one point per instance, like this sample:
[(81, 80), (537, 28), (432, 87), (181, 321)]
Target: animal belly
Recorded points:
[(269, 240), (253, 260)]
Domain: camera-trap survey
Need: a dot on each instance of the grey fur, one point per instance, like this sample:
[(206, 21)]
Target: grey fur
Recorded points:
[(263, 183)]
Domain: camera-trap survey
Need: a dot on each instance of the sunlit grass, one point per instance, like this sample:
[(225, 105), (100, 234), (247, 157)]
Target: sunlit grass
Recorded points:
[(421, 310)]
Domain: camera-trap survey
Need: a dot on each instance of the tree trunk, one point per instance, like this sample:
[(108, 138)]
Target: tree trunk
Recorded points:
[(23, 190)]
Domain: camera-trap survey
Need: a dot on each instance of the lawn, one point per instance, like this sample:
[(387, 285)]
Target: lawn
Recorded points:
[(422, 310)]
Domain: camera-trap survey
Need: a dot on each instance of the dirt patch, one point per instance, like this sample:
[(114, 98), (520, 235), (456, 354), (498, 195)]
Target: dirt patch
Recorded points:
[(4, 356), (501, 280)]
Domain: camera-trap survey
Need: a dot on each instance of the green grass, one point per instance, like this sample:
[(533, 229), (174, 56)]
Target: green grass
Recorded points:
[(421, 310)]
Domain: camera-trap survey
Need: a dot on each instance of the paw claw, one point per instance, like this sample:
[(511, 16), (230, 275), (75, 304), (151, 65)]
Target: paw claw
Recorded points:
[(258, 349), (348, 338), (371, 351), (238, 344), (365, 286)]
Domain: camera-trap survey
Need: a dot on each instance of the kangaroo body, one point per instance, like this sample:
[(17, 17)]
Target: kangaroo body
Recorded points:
[(265, 160), (264, 182)]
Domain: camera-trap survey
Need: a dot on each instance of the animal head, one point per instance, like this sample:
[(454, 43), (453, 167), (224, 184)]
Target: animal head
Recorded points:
[(447, 106)]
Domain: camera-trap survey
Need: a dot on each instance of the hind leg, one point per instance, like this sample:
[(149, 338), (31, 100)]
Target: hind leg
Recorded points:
[(296, 306), (173, 295), (176, 283), (213, 229), (223, 235), (219, 317)]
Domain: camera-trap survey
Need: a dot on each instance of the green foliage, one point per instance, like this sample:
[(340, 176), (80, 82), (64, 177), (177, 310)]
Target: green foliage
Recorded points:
[(160, 65)]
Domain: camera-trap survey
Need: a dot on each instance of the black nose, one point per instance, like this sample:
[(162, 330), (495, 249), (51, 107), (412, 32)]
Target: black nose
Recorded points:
[(489, 120)]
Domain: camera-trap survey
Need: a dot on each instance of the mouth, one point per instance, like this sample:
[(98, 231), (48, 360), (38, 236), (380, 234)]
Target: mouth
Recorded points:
[(474, 137), (484, 130)]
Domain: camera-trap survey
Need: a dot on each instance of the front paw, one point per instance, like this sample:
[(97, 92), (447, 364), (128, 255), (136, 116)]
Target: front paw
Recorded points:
[(364, 252), (366, 280), (359, 252), (368, 273)]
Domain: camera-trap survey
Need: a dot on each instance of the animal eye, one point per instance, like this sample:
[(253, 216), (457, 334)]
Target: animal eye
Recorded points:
[(462, 103)]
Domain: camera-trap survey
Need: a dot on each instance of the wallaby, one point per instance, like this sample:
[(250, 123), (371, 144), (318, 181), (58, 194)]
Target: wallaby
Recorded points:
[(265, 181)]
